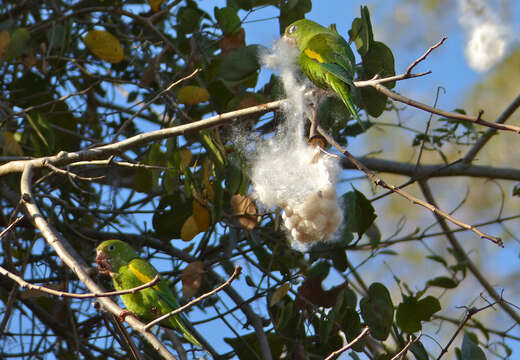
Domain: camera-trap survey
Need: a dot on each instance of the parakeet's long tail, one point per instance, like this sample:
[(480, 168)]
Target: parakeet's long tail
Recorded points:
[(179, 325), (344, 93)]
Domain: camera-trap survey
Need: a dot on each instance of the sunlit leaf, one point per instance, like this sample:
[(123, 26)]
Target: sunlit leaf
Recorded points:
[(104, 45), (192, 95), (155, 4), (279, 293)]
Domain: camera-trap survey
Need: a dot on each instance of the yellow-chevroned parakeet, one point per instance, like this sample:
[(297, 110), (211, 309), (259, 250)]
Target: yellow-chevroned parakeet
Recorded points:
[(128, 270), (325, 57)]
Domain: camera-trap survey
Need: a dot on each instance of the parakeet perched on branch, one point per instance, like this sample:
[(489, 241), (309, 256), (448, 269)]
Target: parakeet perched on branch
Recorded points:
[(325, 57), (122, 263)]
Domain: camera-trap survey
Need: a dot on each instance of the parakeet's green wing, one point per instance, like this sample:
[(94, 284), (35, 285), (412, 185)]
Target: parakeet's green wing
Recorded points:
[(145, 272), (328, 61)]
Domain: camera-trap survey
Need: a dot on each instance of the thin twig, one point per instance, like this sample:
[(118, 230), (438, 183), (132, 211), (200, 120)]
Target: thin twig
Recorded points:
[(377, 82), (43, 289), (336, 353), (469, 313), (461, 254), (237, 272), (404, 350), (10, 226), (425, 55), (479, 144), (151, 101), (379, 182)]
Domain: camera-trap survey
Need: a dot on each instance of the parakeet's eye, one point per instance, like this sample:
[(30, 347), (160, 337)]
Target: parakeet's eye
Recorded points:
[(111, 247), (291, 29)]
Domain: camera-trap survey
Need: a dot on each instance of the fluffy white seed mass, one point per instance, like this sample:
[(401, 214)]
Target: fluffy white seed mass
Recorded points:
[(488, 36), (289, 173)]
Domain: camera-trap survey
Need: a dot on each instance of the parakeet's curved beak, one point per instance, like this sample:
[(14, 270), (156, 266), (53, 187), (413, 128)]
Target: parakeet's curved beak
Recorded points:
[(289, 40), (102, 262)]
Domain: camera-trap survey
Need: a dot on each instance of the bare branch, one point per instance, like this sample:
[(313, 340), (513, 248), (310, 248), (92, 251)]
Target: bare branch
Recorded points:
[(337, 353), (46, 290), (464, 257), (401, 354), (378, 181)]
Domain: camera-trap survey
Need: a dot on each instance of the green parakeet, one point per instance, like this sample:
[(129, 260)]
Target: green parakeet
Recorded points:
[(325, 57), (128, 270)]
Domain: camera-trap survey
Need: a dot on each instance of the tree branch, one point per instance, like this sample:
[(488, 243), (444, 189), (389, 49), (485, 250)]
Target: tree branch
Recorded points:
[(464, 257), (378, 181), (43, 289), (233, 276)]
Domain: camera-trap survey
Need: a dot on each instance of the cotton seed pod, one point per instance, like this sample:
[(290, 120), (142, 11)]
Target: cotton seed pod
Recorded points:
[(319, 223), (334, 221), (296, 235), (329, 192), (292, 222), (327, 207), (309, 208), (288, 211)]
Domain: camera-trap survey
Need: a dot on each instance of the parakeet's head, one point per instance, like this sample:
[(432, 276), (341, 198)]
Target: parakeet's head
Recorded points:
[(112, 254), (301, 31)]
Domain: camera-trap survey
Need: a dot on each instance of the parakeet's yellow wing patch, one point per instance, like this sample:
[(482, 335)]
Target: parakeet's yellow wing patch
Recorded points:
[(143, 277), (313, 55)]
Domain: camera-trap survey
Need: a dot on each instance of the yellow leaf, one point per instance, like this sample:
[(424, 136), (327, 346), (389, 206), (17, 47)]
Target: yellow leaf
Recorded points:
[(104, 45), (4, 42), (155, 4), (192, 95), (11, 146), (189, 229), (246, 211), (186, 158), (201, 215), (279, 293), (192, 278)]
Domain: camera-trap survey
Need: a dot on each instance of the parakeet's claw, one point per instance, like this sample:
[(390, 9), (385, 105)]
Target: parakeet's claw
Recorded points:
[(123, 314)]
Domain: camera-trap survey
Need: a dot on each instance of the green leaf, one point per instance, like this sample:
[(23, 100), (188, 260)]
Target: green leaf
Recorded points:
[(321, 269), (43, 138), (418, 350), (227, 19), (188, 20), (470, 349), (358, 211), (516, 190), (233, 173), (443, 282), (240, 64), (379, 60), (438, 259), (57, 36), (292, 10), (351, 326), (17, 44), (377, 310), (212, 146), (411, 312), (147, 179), (172, 212), (361, 32), (247, 346)]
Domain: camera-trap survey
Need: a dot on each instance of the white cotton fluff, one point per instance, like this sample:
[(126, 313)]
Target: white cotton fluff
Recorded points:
[(488, 37), (289, 173)]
